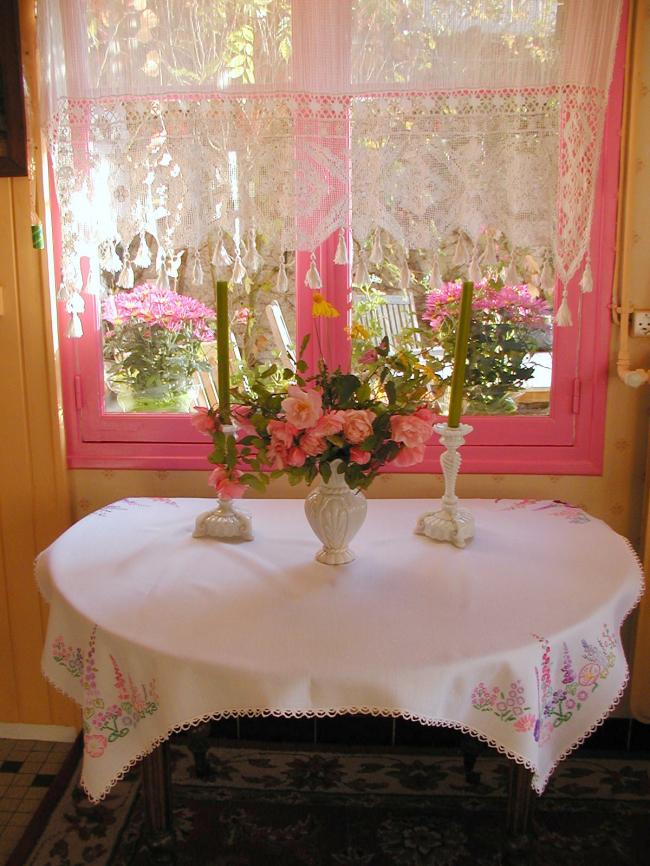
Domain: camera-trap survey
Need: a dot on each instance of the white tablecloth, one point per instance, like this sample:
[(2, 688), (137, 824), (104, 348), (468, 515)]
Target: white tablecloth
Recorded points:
[(514, 639)]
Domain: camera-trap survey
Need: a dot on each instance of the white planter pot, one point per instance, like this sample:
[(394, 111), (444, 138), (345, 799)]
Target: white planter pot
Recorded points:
[(336, 514)]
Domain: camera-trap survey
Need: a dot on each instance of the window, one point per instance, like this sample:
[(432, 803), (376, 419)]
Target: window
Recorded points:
[(325, 166)]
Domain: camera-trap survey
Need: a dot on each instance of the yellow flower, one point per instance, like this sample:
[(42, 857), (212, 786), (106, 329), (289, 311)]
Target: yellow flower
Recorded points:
[(321, 308), (358, 332)]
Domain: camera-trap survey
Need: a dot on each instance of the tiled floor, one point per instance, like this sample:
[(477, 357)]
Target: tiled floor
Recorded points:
[(27, 768)]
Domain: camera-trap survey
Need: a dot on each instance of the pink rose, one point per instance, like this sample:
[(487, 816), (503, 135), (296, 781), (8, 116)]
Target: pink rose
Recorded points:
[(95, 745), (425, 414), (226, 482), (282, 433), (303, 407), (359, 456), (368, 357), (328, 424), (241, 316), (296, 456), (278, 454), (357, 424), (203, 421), (241, 419), (410, 430), (408, 456), (312, 443)]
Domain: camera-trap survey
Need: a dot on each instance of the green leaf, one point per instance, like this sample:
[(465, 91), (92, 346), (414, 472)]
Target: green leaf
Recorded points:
[(303, 345), (325, 470), (254, 481), (391, 391)]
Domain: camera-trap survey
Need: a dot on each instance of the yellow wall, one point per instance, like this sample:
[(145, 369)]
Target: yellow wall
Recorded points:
[(34, 494), (33, 503)]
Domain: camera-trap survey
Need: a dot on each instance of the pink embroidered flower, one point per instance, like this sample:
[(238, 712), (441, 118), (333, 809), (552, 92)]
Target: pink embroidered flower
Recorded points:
[(203, 421), (241, 419), (368, 357), (412, 430), (95, 745), (525, 723), (359, 456), (357, 424), (226, 483), (408, 457), (303, 407)]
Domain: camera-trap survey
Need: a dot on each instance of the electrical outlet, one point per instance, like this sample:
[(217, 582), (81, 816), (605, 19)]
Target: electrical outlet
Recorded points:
[(641, 323)]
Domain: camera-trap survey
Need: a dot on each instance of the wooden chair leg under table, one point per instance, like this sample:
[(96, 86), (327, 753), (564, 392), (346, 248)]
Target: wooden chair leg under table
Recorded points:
[(520, 807), (159, 839)]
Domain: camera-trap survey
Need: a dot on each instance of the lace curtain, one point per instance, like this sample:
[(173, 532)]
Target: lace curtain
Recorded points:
[(470, 127)]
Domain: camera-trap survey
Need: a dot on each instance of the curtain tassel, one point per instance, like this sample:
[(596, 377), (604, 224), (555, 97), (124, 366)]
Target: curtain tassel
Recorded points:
[(460, 253), (435, 275), (547, 278), (143, 256), (377, 251), (162, 280), (587, 281), (221, 257), (361, 275), (511, 277), (197, 270), (110, 261), (238, 271), (312, 277), (474, 271), (341, 256), (252, 260), (282, 284), (126, 278), (490, 252), (74, 306), (93, 280), (563, 316)]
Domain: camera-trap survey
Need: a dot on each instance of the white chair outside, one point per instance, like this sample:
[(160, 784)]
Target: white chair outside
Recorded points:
[(281, 336), (394, 315)]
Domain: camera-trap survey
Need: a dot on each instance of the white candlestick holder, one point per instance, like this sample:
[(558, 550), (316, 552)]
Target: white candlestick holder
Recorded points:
[(225, 522), (450, 523)]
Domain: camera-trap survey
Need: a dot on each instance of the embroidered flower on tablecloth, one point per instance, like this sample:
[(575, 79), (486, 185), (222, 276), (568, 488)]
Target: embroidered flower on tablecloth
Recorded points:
[(556, 705), (105, 722)]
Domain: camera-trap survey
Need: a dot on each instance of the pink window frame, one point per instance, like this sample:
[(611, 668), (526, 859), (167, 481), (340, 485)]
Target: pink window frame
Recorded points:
[(567, 441)]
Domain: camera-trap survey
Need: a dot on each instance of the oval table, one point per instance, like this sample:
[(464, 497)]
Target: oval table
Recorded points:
[(514, 640)]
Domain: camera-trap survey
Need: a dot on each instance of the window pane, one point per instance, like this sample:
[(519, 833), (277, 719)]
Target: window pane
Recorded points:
[(158, 344), (510, 352)]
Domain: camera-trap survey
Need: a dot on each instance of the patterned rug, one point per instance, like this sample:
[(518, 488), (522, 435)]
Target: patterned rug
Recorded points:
[(305, 807)]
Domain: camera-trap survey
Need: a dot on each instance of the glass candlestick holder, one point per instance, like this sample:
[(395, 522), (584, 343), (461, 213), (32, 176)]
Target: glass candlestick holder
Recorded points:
[(450, 523), (225, 522)]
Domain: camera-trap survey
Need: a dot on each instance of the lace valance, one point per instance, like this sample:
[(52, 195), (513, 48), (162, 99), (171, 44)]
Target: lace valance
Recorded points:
[(469, 127)]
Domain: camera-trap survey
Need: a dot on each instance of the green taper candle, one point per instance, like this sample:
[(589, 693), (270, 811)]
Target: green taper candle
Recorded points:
[(460, 355), (223, 360)]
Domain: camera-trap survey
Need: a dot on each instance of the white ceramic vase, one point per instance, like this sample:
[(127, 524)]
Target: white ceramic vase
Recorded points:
[(336, 514)]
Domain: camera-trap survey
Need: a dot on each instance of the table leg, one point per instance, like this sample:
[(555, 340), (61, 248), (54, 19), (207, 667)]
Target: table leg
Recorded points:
[(520, 806), (198, 742), (159, 841)]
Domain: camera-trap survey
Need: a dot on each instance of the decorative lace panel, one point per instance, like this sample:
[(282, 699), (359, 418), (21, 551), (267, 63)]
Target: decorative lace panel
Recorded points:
[(430, 121)]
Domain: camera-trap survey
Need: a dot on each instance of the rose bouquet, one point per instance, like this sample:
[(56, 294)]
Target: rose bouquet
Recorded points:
[(508, 326), (153, 347), (290, 423)]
